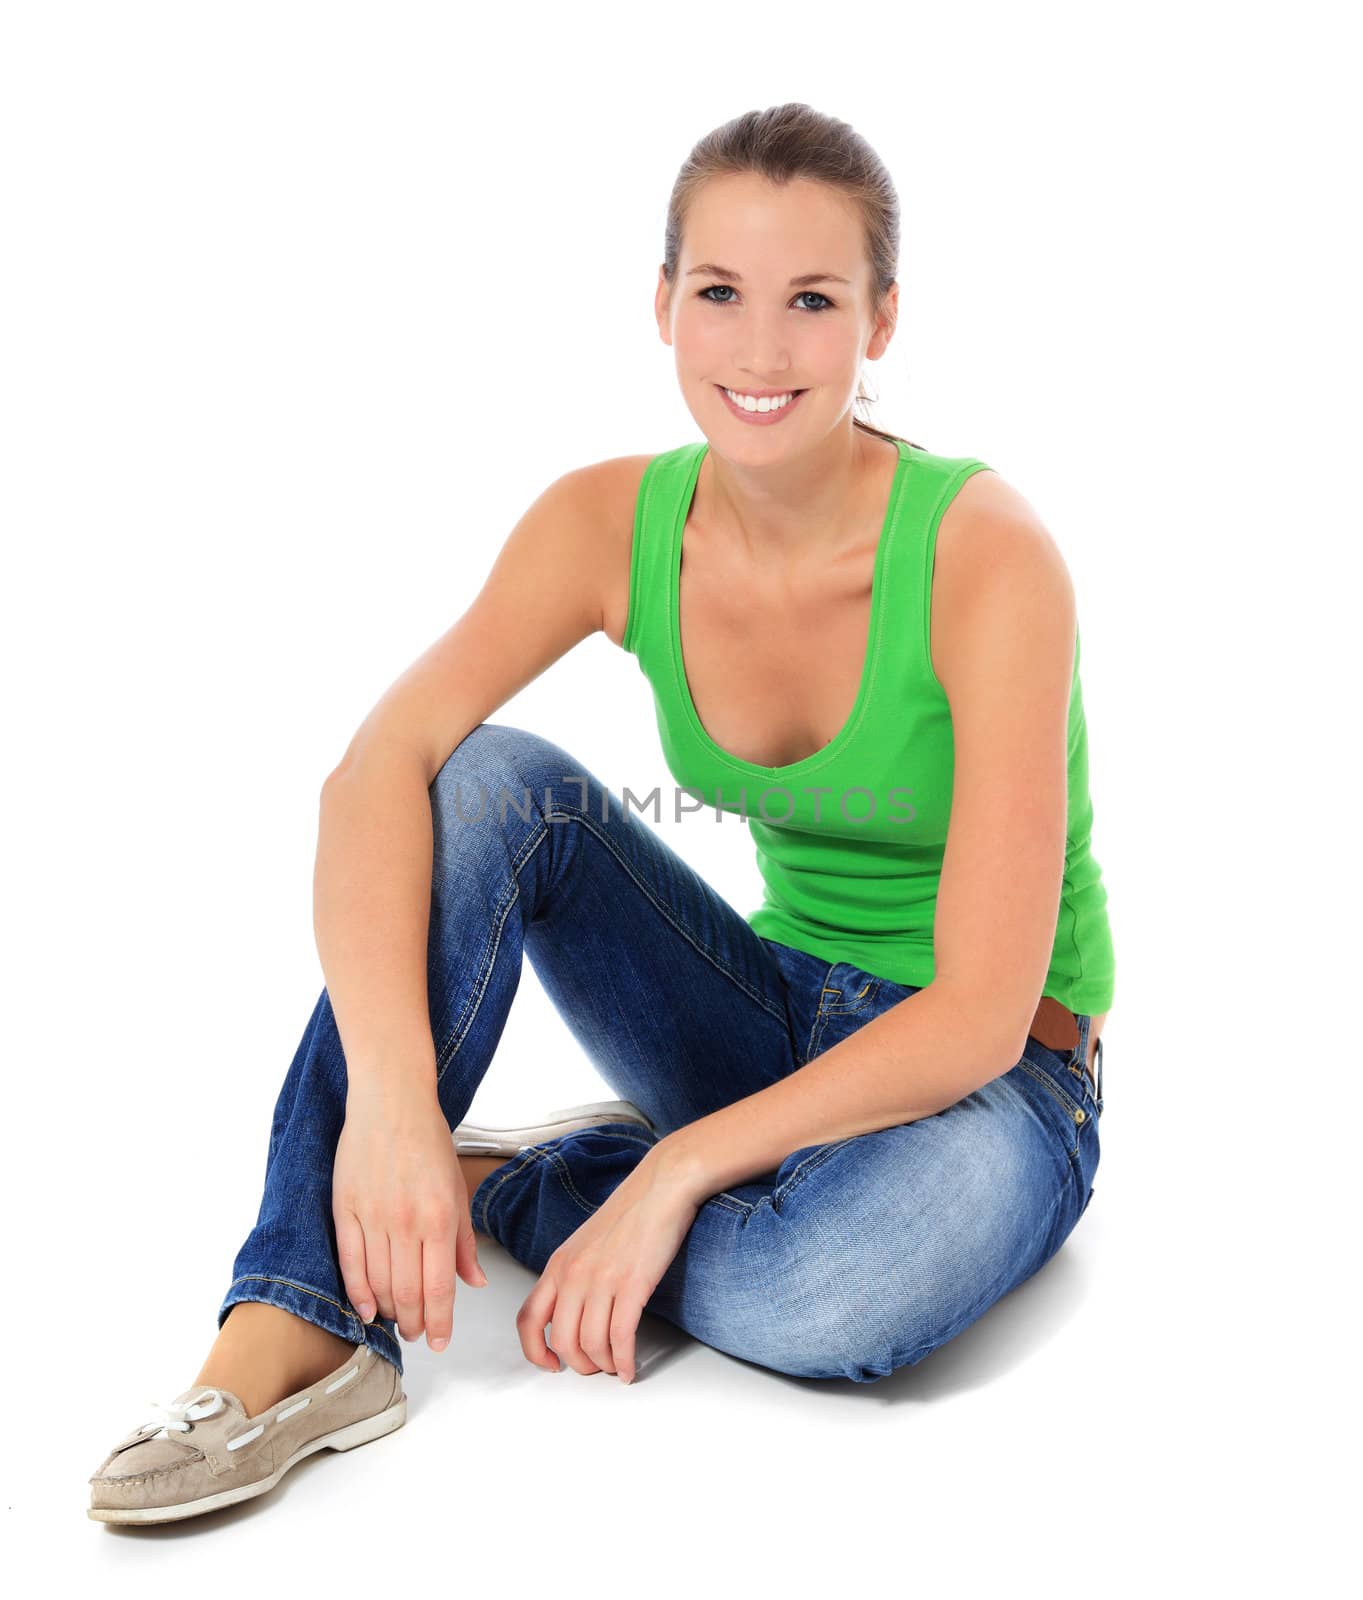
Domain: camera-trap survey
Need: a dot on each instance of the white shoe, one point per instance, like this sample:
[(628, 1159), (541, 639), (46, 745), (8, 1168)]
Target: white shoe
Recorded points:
[(474, 1140)]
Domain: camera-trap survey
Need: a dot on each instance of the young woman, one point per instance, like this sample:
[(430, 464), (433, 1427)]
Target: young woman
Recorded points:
[(852, 1120)]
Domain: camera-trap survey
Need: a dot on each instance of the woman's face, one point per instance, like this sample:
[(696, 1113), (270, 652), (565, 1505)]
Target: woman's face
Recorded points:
[(791, 311)]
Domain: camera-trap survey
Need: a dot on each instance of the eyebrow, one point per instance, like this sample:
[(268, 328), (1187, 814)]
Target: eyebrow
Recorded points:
[(713, 271)]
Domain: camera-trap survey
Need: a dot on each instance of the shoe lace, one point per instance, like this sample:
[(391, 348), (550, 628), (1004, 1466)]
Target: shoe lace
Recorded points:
[(180, 1415)]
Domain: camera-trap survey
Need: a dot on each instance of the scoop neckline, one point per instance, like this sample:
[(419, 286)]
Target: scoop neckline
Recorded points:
[(873, 630)]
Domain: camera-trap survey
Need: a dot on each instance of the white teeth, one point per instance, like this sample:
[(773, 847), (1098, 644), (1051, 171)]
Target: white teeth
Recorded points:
[(772, 403)]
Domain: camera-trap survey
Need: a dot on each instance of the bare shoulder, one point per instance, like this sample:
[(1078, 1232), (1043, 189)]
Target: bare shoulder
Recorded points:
[(991, 540), (989, 521), (607, 492), (588, 515)]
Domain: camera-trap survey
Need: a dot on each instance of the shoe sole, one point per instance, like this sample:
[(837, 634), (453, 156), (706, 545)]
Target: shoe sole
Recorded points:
[(500, 1141), (346, 1438)]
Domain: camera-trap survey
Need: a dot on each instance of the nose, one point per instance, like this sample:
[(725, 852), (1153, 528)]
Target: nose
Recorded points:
[(764, 358)]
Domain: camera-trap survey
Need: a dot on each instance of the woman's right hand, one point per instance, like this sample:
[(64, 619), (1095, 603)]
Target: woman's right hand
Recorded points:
[(401, 1209)]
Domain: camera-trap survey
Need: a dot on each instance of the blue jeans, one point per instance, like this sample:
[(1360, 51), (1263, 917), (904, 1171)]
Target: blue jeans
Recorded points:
[(848, 1260)]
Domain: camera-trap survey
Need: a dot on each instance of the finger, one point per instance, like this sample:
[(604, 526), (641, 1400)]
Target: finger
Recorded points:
[(531, 1321), (595, 1333), (380, 1270), (437, 1281), (469, 1267), (624, 1331), (351, 1254), (407, 1295), (567, 1322)]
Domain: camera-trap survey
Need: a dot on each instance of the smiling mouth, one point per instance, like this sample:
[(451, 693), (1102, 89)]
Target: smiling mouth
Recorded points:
[(763, 405)]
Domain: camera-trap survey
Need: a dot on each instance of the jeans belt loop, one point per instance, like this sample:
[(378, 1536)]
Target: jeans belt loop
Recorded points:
[(1080, 1058)]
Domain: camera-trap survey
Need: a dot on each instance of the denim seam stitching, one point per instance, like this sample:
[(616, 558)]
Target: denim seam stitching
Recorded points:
[(859, 1002), (665, 911), (1081, 1077), (780, 1193), (724, 1199), (815, 1035), (1051, 1083), (600, 1128), (264, 1277), (1062, 1099), (527, 1157), (565, 1177), (729, 1202), (816, 1027), (565, 1172), (501, 911)]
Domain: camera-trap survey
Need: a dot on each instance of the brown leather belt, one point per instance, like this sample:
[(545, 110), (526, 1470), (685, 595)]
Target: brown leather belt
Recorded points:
[(1057, 1027)]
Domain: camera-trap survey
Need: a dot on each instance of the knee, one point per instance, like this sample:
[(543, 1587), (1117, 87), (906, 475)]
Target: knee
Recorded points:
[(495, 752), (496, 772)]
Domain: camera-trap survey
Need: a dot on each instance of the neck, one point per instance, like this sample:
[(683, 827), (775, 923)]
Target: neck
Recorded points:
[(793, 513)]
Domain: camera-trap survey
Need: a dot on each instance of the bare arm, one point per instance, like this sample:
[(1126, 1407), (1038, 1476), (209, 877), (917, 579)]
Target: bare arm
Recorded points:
[(372, 882)]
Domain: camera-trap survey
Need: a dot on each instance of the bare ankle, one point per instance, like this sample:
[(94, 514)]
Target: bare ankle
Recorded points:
[(478, 1167), (263, 1353)]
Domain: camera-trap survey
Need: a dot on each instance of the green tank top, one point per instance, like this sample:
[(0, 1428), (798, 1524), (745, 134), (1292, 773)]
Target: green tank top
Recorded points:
[(850, 839)]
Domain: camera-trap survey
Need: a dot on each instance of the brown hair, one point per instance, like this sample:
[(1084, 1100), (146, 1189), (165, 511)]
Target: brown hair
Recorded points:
[(795, 141)]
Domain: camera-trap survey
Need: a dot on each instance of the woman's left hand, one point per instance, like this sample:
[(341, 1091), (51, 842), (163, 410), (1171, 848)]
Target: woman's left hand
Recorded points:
[(596, 1284)]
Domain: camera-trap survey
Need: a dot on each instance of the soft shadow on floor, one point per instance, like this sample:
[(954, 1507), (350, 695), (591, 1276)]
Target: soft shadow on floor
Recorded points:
[(1003, 1338)]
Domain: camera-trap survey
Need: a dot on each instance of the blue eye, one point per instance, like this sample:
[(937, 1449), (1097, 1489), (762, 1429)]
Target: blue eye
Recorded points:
[(705, 294)]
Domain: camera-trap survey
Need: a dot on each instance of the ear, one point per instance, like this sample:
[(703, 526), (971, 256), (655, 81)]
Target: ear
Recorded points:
[(886, 322), (662, 307)]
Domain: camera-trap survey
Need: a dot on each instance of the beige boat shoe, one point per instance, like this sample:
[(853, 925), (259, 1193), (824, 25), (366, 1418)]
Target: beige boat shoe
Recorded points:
[(204, 1452)]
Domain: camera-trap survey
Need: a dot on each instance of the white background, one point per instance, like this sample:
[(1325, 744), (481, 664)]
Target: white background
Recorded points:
[(303, 305)]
